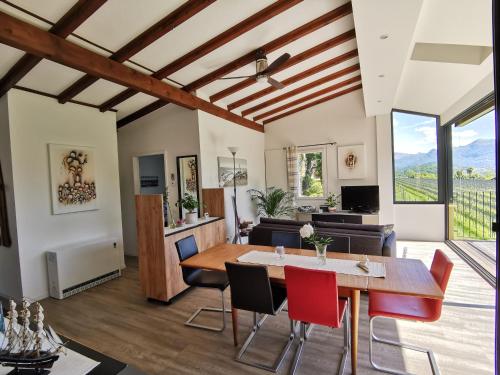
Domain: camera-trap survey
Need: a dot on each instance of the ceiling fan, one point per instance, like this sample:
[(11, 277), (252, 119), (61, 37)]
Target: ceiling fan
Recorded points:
[(264, 71)]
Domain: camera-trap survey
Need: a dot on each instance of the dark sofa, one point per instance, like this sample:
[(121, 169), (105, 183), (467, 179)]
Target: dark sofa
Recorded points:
[(360, 238)]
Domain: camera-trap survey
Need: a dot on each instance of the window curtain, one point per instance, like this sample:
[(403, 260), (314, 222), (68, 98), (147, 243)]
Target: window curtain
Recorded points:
[(292, 170)]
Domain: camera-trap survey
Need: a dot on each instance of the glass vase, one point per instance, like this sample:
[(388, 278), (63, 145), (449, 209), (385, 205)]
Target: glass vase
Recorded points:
[(321, 253)]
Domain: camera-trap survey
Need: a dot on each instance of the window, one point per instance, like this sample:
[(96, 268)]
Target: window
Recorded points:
[(312, 173), (415, 158)]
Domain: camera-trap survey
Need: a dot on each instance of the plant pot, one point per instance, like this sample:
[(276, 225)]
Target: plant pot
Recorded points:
[(191, 218), (332, 209), (321, 253)]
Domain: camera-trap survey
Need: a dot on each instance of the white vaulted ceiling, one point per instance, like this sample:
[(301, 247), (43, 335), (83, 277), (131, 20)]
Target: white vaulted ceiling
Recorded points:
[(414, 85), (119, 21)]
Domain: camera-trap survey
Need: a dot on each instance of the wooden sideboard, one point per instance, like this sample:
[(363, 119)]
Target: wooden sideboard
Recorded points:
[(159, 271)]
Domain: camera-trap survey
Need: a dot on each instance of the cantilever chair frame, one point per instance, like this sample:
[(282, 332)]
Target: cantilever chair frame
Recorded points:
[(373, 337), (255, 328)]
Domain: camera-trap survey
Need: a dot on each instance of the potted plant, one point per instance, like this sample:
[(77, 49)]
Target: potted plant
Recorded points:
[(190, 204), (272, 203), (320, 243), (332, 201)]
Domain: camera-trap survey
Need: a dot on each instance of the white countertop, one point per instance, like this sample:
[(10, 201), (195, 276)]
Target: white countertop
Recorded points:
[(201, 221)]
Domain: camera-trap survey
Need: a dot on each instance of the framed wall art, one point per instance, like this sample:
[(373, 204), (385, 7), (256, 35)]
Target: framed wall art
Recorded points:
[(351, 162), (73, 178)]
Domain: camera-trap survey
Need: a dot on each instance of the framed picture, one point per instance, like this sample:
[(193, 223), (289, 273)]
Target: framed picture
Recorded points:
[(227, 172), (351, 162), (187, 174), (73, 178)]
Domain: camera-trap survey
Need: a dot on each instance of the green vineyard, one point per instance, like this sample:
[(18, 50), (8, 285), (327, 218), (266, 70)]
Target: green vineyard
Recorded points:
[(472, 209)]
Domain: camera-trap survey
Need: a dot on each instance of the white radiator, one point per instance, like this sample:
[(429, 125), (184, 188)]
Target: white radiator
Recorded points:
[(77, 267)]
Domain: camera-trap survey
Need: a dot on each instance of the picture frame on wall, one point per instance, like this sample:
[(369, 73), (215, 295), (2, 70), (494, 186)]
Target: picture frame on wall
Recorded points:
[(73, 178), (351, 160), (187, 178)]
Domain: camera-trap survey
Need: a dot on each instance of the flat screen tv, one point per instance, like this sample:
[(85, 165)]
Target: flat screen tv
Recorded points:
[(363, 199)]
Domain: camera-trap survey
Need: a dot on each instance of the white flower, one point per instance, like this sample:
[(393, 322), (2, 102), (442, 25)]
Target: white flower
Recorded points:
[(306, 231)]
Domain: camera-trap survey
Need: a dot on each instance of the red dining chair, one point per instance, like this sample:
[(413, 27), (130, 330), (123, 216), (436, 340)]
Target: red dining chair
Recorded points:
[(313, 299), (384, 305)]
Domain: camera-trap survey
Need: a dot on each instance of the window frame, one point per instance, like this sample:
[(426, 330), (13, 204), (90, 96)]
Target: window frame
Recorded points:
[(324, 173), (441, 159)]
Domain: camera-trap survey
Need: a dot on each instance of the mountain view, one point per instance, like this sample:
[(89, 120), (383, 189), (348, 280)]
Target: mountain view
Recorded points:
[(479, 155)]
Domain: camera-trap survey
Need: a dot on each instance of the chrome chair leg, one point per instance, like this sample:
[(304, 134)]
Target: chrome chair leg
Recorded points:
[(304, 335), (373, 337), (278, 362), (222, 310)]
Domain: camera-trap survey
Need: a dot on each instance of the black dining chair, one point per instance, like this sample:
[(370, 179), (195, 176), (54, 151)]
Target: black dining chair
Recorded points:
[(251, 290), (286, 239), (186, 248)]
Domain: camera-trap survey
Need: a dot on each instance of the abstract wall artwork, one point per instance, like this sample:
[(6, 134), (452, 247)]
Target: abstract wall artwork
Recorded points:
[(73, 178), (226, 172), (351, 162)]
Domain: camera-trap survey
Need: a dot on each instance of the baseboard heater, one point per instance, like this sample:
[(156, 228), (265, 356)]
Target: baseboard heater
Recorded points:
[(78, 267)]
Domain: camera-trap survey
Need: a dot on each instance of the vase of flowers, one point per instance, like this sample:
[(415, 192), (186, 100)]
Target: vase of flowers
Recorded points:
[(320, 243)]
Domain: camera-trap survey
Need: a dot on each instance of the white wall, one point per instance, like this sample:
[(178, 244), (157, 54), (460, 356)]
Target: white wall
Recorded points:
[(216, 135), (172, 130), (384, 168), (36, 121), (420, 222), (10, 274), (341, 120)]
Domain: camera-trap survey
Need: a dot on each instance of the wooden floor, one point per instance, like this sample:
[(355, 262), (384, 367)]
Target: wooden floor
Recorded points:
[(115, 319)]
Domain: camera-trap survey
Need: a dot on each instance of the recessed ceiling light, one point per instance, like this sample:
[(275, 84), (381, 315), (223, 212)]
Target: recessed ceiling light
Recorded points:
[(384, 36), (381, 76), (379, 101)]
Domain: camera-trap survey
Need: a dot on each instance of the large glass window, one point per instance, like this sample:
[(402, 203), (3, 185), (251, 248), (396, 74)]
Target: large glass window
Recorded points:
[(312, 173), (415, 155)]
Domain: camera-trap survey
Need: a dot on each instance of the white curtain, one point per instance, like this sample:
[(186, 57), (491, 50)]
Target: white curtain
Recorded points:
[(292, 167)]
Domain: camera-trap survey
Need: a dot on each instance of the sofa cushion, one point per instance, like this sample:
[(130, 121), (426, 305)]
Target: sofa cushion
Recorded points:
[(385, 229), (295, 223)]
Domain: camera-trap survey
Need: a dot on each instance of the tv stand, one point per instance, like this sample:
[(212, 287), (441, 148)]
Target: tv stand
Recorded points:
[(347, 217)]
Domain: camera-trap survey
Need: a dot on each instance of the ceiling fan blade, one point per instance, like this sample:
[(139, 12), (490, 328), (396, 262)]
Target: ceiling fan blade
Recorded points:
[(277, 63), (276, 84), (238, 77)]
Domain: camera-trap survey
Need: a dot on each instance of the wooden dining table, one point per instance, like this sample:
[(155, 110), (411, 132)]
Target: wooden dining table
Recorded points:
[(403, 276)]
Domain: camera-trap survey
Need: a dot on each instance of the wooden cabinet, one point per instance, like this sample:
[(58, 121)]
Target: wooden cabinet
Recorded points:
[(159, 271)]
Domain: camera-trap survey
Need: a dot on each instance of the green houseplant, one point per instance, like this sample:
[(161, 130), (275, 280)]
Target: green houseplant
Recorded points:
[(273, 203), (332, 202), (190, 204)]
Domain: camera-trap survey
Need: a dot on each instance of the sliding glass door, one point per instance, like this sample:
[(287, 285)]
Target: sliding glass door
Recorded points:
[(472, 180)]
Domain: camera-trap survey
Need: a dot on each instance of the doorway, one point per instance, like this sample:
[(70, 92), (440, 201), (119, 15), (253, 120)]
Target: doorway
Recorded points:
[(472, 189)]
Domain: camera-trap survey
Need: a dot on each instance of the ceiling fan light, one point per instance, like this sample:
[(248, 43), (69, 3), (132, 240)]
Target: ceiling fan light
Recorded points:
[(261, 79)]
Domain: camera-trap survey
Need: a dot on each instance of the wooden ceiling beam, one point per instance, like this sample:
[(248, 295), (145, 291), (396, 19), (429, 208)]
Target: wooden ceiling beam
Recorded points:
[(295, 78), (320, 48), (218, 41), (274, 45), (159, 29), (24, 36), (68, 23), (304, 99), (312, 104)]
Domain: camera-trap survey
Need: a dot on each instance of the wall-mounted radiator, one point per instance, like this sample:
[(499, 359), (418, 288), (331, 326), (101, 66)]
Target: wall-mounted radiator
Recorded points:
[(75, 268)]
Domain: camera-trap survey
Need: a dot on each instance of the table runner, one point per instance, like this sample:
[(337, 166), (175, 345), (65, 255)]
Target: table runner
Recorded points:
[(344, 266)]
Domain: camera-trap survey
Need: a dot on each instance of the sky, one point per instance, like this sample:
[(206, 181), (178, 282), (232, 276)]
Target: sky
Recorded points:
[(415, 133)]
